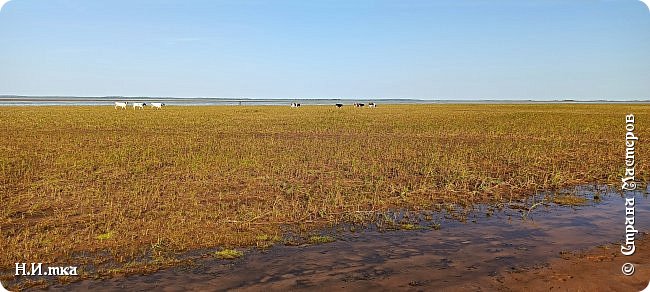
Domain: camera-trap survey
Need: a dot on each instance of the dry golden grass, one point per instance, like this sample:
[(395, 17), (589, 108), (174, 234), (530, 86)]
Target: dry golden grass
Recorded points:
[(84, 180)]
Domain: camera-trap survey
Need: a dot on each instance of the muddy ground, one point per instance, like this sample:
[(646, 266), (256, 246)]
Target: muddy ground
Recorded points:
[(596, 270), (552, 248)]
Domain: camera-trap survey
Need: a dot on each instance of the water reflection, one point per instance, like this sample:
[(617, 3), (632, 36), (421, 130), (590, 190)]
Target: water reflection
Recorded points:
[(492, 240)]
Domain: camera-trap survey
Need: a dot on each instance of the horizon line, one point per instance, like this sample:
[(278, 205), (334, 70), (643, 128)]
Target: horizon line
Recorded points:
[(7, 96)]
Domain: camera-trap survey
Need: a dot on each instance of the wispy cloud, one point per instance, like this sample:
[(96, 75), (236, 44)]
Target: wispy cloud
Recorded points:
[(2, 3), (647, 3)]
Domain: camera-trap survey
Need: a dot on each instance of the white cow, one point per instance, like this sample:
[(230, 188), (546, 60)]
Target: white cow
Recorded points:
[(157, 105), (137, 105), (120, 105)]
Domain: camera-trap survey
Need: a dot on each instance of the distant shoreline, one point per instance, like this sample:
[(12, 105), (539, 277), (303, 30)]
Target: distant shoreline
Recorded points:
[(13, 100)]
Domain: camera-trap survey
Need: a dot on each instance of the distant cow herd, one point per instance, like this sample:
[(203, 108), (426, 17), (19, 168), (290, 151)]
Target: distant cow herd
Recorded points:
[(138, 105), (340, 105), (159, 105), (370, 104)]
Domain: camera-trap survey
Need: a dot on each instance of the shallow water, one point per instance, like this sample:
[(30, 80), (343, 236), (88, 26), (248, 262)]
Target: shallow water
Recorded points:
[(459, 255)]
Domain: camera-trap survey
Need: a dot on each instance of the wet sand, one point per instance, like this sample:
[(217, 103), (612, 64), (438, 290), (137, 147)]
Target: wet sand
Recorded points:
[(596, 270), (499, 252)]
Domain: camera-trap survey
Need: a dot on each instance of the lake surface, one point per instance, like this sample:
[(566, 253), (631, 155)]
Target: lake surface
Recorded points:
[(108, 101)]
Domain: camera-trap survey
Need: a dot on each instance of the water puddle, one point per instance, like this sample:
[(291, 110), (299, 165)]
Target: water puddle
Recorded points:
[(458, 255)]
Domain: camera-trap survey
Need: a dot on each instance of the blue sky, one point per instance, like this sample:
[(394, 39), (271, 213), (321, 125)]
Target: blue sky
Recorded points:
[(447, 49)]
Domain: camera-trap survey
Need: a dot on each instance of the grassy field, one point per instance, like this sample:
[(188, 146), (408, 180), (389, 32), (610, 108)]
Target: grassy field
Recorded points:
[(124, 183)]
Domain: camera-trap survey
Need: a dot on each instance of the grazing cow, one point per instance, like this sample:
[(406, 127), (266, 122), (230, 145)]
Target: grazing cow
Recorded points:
[(339, 105), (120, 105), (157, 105), (356, 104), (372, 104), (293, 104), (137, 105)]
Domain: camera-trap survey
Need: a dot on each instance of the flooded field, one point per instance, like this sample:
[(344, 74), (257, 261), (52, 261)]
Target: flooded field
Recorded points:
[(449, 187), (479, 249)]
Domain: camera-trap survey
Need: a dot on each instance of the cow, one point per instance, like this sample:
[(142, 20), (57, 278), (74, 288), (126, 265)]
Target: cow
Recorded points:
[(372, 104), (119, 104), (137, 105), (356, 104), (339, 105), (157, 105), (293, 104)]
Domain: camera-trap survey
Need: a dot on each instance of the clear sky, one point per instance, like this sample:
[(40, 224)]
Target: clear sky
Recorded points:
[(446, 49)]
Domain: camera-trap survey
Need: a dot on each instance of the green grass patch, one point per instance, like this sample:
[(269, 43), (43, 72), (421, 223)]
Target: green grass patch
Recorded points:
[(228, 254), (410, 226), (105, 236), (320, 239), (569, 200)]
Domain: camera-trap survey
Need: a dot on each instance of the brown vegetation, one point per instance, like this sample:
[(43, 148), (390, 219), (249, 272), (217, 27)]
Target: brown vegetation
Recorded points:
[(85, 180)]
